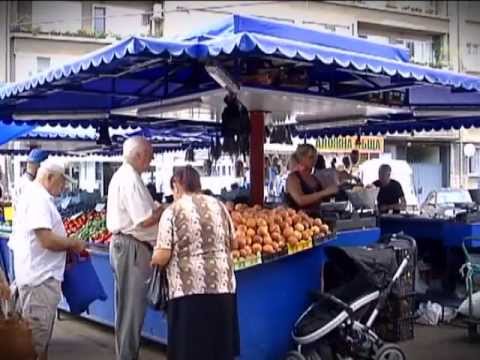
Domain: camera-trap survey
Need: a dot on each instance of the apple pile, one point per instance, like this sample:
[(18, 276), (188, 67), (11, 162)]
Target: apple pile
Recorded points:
[(73, 225), (268, 231)]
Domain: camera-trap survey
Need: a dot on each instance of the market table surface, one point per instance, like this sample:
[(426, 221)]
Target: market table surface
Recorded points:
[(270, 297), (450, 233)]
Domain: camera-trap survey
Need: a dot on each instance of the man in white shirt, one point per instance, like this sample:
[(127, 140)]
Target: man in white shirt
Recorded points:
[(40, 244), (132, 217)]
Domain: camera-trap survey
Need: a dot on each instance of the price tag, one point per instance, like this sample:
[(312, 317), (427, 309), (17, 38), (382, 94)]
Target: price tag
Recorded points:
[(73, 217), (65, 202)]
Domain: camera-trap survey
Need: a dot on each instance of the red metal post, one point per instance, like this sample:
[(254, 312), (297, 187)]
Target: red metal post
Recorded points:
[(257, 167)]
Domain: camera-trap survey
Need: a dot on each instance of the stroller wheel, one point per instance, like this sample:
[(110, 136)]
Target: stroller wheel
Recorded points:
[(390, 352), (294, 355)]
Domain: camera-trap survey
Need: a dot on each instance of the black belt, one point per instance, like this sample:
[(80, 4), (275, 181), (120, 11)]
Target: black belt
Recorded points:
[(133, 238)]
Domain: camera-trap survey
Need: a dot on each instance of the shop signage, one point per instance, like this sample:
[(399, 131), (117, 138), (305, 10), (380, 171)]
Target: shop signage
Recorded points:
[(345, 144)]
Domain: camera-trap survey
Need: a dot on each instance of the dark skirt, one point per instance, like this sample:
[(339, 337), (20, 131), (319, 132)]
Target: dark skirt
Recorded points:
[(203, 327)]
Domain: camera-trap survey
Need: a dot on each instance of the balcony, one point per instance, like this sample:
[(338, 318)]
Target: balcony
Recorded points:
[(80, 35)]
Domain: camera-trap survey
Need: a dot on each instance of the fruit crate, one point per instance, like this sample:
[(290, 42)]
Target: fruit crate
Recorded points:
[(395, 331), (301, 246), (405, 285), (266, 258), (247, 262), (399, 308)]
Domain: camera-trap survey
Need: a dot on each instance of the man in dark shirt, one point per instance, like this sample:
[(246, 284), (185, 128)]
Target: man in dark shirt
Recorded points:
[(391, 196)]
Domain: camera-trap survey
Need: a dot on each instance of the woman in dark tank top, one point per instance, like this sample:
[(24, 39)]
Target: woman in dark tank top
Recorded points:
[(304, 190)]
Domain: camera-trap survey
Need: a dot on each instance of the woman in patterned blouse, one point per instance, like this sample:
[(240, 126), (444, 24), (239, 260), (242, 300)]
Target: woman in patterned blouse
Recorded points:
[(194, 242)]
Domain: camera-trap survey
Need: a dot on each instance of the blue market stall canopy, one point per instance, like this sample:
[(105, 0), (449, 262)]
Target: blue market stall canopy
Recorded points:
[(165, 134), (60, 133), (187, 131), (12, 132), (390, 126), (244, 50), (114, 121)]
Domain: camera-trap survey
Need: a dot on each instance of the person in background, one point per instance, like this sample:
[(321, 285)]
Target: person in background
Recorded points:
[(39, 245), (35, 158), (195, 238), (354, 162), (333, 163), (391, 196), (132, 217), (274, 173), (240, 173), (346, 163), (266, 164), (304, 190)]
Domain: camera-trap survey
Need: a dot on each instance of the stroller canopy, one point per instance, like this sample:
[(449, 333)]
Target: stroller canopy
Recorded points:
[(377, 265)]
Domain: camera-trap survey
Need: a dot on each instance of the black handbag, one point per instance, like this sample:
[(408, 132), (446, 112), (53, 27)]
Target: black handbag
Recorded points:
[(157, 292)]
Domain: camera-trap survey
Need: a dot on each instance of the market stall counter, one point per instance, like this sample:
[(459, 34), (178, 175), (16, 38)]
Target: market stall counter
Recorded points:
[(270, 296), (449, 232), (442, 236)]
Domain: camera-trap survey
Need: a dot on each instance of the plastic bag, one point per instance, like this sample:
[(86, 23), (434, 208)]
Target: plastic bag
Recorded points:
[(429, 313), (157, 292), (463, 308), (81, 285)]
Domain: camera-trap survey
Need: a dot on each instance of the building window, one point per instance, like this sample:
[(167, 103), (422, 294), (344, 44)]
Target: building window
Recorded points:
[(469, 49), (473, 163), (421, 51), (99, 13), (43, 63)]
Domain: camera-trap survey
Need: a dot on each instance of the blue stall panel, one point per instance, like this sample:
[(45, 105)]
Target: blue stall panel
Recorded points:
[(270, 297)]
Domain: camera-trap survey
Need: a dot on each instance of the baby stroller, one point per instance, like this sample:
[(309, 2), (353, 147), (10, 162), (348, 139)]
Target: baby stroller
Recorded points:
[(338, 325)]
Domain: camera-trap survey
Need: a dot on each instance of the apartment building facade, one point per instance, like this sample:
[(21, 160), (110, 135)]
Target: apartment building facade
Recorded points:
[(41, 34)]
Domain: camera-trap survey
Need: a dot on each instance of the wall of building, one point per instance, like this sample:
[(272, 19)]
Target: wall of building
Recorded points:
[(57, 15), (341, 16), (4, 13), (26, 52), (471, 37)]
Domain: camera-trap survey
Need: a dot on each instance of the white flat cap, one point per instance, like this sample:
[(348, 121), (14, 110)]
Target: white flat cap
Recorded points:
[(53, 165)]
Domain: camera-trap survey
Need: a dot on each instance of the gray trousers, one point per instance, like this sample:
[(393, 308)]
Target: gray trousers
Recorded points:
[(38, 305), (130, 260)]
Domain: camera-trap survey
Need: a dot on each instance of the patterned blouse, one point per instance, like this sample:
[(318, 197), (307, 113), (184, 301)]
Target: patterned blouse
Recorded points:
[(198, 230)]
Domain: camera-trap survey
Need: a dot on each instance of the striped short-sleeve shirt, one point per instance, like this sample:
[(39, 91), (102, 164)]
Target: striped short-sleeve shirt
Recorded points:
[(198, 230)]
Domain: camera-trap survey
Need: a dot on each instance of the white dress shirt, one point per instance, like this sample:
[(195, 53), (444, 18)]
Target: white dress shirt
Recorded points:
[(129, 204), (33, 263)]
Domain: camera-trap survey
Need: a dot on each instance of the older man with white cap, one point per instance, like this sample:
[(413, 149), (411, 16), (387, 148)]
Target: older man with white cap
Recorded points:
[(132, 217), (40, 244)]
